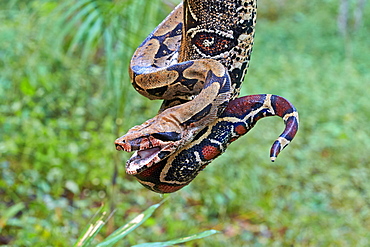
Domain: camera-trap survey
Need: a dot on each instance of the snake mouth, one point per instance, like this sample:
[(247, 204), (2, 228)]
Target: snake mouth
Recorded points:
[(148, 150), (142, 159), (146, 157)]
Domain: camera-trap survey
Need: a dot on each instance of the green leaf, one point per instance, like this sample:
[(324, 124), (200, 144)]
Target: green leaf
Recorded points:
[(26, 87), (84, 27), (93, 228), (9, 213), (129, 227), (69, 7), (69, 23), (179, 240), (93, 34)]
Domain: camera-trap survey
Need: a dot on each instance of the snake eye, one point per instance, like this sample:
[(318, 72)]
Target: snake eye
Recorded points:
[(167, 136)]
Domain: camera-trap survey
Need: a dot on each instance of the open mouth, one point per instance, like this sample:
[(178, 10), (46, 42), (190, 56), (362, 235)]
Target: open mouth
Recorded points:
[(149, 149), (142, 160)]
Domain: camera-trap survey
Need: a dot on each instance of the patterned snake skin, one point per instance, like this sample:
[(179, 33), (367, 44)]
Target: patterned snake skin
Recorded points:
[(195, 60)]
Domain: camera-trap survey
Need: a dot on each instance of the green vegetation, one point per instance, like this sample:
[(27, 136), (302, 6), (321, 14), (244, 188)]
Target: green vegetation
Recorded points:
[(101, 218), (65, 97)]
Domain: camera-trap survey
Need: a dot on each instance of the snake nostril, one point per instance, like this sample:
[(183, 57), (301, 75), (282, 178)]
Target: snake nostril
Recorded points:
[(119, 141)]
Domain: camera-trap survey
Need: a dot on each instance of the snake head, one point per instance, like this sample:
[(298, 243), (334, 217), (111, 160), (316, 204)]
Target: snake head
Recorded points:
[(152, 141)]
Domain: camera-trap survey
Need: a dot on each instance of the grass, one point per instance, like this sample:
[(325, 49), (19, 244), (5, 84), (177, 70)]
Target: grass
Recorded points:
[(64, 100)]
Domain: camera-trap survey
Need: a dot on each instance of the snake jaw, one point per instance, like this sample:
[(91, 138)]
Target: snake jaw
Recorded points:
[(149, 150), (142, 160), (145, 158)]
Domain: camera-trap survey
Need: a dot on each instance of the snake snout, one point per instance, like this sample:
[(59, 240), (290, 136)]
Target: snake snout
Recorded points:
[(120, 144)]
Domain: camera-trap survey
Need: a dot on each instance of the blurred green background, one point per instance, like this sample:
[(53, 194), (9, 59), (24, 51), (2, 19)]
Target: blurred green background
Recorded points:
[(65, 96)]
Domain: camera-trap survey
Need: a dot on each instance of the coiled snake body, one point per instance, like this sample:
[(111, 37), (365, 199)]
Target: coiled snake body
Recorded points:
[(196, 60)]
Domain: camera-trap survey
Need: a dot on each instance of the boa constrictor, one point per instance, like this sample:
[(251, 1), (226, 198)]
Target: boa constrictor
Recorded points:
[(196, 60)]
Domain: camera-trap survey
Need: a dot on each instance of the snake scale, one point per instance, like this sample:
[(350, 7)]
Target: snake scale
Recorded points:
[(196, 60)]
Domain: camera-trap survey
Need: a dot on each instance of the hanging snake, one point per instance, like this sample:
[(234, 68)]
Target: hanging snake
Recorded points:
[(196, 60)]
